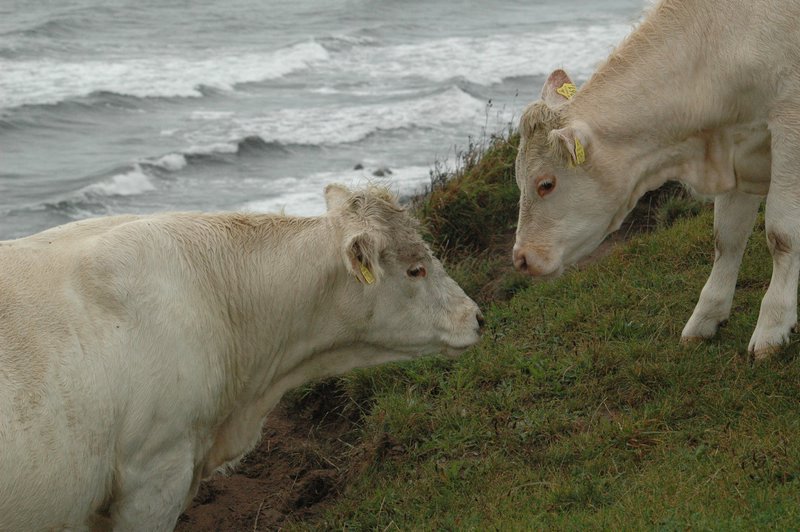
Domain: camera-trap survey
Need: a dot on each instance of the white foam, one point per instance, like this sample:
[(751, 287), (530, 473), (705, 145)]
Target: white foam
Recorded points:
[(304, 196), (49, 81), (171, 162), (355, 39), (213, 147), (341, 124), (485, 60), (128, 184), (209, 115), (384, 91)]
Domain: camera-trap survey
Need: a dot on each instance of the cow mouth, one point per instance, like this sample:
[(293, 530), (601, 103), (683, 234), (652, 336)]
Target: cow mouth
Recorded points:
[(453, 350), (449, 344), (585, 248), (549, 276)]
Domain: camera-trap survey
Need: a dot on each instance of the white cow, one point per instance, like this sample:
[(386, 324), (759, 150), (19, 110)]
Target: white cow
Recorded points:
[(139, 354), (703, 92)]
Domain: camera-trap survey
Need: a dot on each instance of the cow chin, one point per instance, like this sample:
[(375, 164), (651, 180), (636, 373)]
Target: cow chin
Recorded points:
[(448, 349), (454, 352), (586, 248), (553, 274), (455, 346)]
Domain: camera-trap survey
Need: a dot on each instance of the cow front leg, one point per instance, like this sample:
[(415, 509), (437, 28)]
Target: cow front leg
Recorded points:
[(151, 494), (778, 313), (734, 216)]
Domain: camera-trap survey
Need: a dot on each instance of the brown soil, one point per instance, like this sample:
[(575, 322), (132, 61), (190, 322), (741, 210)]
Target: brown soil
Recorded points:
[(308, 451)]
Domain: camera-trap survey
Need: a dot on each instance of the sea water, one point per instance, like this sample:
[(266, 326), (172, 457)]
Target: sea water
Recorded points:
[(112, 106)]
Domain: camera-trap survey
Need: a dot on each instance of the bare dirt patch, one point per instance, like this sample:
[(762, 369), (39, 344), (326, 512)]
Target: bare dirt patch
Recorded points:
[(309, 449)]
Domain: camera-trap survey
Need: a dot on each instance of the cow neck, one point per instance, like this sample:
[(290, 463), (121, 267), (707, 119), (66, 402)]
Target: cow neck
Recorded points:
[(645, 108), (304, 316), (660, 81), (284, 304), (283, 313)]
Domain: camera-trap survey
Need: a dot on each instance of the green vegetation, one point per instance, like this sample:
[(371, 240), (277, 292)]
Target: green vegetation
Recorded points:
[(579, 410)]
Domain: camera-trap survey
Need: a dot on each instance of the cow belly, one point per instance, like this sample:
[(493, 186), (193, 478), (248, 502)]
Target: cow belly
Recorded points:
[(752, 162)]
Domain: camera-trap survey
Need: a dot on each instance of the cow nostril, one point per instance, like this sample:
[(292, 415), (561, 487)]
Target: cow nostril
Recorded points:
[(481, 321), (521, 263)]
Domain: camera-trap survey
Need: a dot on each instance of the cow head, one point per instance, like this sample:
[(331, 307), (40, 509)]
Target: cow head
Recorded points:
[(403, 299), (566, 207)]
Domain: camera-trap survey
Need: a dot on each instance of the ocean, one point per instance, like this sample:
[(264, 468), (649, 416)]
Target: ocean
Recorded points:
[(112, 106)]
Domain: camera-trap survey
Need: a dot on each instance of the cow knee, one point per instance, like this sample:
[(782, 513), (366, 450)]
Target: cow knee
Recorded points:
[(778, 242)]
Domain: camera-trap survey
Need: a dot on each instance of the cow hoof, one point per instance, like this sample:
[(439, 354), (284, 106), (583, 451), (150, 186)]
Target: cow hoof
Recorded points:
[(692, 340), (765, 352), (763, 346), (701, 329)]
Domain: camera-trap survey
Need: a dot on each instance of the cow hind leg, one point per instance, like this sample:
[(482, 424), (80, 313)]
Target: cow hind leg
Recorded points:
[(734, 216), (778, 313)]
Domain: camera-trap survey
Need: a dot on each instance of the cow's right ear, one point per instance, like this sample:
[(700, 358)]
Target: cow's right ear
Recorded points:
[(361, 253), (558, 89), (571, 143), (336, 196)]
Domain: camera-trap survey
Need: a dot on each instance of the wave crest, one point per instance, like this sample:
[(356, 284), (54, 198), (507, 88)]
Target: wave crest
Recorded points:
[(129, 183), (48, 81), (302, 126)]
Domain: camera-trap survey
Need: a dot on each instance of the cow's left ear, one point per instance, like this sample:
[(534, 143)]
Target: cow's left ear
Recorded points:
[(571, 143), (336, 195), (362, 252), (558, 88)]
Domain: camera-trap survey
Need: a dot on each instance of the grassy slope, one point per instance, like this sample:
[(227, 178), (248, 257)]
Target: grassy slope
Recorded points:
[(580, 408)]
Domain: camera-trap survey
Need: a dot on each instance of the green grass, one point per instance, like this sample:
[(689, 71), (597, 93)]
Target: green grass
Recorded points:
[(474, 207), (580, 410)]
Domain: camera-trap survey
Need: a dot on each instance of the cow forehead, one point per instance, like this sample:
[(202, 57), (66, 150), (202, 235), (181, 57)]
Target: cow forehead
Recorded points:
[(536, 151), (532, 160), (409, 247), (538, 119)]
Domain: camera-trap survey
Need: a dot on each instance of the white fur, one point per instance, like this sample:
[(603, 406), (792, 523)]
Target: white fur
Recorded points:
[(139, 354), (707, 93)]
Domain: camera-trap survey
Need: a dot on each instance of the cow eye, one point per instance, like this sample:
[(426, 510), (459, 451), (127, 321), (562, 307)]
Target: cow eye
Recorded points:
[(545, 186), (417, 271)]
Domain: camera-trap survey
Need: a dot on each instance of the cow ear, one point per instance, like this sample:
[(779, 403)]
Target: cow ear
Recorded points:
[(361, 258), (336, 196), (558, 89), (571, 144)]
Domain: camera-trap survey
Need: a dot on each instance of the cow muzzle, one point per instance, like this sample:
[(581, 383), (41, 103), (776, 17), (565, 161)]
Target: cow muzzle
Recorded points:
[(470, 331), (536, 264)]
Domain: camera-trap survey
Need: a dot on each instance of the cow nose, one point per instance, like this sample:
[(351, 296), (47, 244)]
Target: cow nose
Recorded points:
[(481, 321)]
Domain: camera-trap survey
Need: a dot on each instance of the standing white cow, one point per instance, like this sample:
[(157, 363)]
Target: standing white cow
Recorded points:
[(139, 354), (704, 92)]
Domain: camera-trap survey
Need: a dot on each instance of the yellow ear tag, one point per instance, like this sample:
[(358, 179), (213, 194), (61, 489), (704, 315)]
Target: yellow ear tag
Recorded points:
[(580, 155), (567, 90), (368, 277)]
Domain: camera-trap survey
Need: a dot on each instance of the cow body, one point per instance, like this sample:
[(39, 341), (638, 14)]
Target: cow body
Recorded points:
[(702, 92), (140, 354)]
